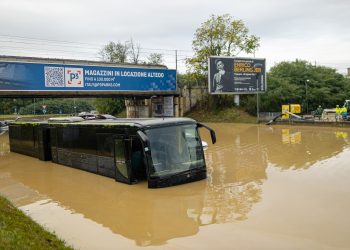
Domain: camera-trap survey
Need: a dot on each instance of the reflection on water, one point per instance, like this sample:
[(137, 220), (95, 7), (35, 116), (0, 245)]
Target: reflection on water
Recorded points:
[(301, 147), (288, 138), (341, 134), (242, 167), (4, 145)]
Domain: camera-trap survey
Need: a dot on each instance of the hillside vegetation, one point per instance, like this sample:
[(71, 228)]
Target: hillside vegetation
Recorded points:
[(226, 114)]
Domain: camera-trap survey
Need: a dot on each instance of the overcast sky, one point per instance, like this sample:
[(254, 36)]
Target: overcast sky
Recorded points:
[(313, 30)]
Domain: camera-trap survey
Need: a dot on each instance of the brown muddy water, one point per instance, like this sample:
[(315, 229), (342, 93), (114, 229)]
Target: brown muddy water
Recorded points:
[(273, 187)]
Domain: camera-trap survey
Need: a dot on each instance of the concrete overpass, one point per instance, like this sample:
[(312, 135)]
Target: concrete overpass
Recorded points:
[(29, 77), (143, 86)]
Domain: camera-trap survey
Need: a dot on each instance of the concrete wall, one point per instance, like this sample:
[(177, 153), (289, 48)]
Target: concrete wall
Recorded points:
[(137, 108), (143, 108), (192, 96), (154, 107)]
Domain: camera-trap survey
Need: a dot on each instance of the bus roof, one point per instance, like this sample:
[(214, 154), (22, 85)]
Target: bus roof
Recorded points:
[(125, 122)]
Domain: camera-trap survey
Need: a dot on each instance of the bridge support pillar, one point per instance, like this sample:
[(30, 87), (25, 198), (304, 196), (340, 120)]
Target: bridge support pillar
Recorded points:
[(137, 108), (156, 106)]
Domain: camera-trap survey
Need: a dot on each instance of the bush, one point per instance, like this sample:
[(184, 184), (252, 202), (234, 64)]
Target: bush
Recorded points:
[(58, 106)]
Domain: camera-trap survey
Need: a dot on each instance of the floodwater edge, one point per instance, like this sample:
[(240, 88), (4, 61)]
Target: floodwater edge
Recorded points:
[(19, 230)]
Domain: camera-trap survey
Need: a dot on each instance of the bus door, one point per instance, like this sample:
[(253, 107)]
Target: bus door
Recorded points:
[(122, 159), (54, 144), (147, 159)]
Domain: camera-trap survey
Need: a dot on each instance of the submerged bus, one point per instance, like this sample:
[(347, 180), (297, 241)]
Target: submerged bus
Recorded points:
[(165, 152)]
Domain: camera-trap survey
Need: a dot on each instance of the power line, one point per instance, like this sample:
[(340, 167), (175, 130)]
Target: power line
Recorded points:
[(51, 50), (80, 49), (39, 43), (47, 40), (83, 49), (70, 43)]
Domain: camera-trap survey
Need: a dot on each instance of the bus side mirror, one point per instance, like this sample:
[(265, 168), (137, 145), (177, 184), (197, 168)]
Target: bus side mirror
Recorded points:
[(212, 132)]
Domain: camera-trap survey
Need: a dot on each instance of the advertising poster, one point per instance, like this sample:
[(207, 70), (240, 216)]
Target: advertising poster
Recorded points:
[(236, 75), (20, 76)]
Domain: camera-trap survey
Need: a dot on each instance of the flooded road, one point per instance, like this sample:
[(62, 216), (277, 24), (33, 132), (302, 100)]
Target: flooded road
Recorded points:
[(276, 187)]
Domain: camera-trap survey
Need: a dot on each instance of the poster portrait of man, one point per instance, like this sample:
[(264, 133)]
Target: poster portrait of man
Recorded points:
[(222, 76), (236, 75)]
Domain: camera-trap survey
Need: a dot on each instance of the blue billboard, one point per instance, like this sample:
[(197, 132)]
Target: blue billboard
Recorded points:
[(25, 76)]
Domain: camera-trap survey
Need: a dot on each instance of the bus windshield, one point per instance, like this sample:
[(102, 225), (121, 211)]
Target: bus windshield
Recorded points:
[(175, 149)]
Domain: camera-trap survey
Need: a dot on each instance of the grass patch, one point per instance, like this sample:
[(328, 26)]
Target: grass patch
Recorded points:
[(231, 114), (121, 114), (17, 231)]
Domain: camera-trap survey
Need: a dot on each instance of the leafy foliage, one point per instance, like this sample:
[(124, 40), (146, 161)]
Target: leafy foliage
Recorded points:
[(13, 105), (110, 105), (220, 36), (191, 79), (302, 83), (135, 49), (57, 106), (155, 59), (115, 52), (128, 52)]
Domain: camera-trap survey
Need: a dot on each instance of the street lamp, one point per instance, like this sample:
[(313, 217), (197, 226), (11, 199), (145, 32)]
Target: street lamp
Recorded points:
[(306, 97)]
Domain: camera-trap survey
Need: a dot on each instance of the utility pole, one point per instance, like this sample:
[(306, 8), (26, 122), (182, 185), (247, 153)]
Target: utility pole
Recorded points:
[(257, 66), (176, 66), (306, 97), (257, 98)]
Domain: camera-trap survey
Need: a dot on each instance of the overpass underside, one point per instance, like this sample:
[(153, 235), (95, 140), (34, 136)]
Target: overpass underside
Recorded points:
[(82, 94)]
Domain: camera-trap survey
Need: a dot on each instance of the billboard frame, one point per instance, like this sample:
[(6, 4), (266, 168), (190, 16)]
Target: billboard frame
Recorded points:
[(233, 92), (83, 92)]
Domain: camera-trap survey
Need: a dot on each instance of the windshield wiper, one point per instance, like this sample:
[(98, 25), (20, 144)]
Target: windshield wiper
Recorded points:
[(190, 172)]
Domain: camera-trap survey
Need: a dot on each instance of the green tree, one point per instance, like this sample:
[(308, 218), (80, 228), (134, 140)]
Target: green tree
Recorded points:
[(190, 79), (301, 82), (57, 106), (155, 59), (6, 106), (220, 35), (135, 50), (128, 52), (115, 52), (119, 52), (109, 105), (12, 105)]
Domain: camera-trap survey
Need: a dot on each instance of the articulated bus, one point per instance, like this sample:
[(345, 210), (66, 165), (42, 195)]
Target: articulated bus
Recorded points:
[(165, 152)]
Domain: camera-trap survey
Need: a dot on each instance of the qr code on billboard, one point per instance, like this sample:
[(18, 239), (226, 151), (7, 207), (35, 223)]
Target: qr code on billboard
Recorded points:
[(54, 76)]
